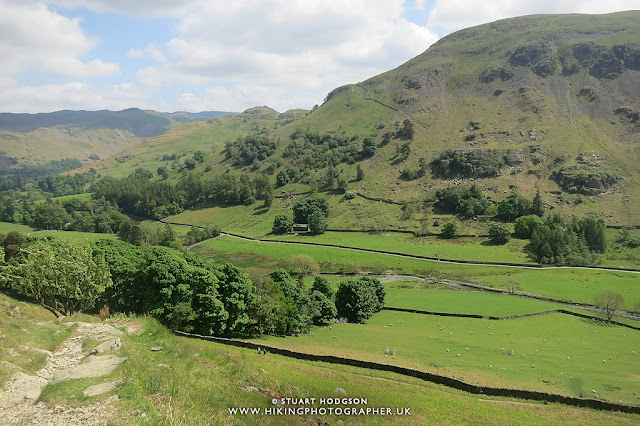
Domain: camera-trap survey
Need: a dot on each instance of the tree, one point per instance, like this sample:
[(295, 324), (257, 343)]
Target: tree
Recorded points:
[(525, 225), (593, 231), (11, 242), (322, 309), (317, 222), (450, 230), (168, 236), (282, 178), (368, 147), (322, 285), (499, 234), (405, 150), (282, 224), (536, 205), (268, 197), (359, 172), (508, 209), (406, 131), (163, 172), (378, 289), (303, 208), (356, 301), (62, 275), (303, 264), (608, 302)]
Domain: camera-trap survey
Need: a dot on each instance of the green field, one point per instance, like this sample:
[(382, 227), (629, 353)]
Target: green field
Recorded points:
[(10, 227), (553, 353), (572, 284), (401, 295), (76, 235), (196, 382), (458, 249), (85, 195)]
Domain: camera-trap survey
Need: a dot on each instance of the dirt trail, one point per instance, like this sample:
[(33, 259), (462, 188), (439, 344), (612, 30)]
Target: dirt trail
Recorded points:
[(19, 403)]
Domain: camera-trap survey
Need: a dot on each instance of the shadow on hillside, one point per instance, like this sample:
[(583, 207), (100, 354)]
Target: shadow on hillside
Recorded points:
[(260, 210)]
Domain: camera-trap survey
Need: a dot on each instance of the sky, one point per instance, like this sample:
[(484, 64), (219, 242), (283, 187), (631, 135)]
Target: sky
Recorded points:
[(222, 55)]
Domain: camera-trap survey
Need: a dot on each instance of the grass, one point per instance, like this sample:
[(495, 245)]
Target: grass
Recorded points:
[(401, 295), (6, 227), (422, 341), (571, 284), (152, 227), (67, 197), (459, 249), (196, 382), (20, 333), (253, 220), (77, 235)]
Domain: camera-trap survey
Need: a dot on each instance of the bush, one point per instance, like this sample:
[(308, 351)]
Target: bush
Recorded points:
[(62, 275), (356, 300), (525, 225), (322, 309), (499, 234), (350, 194), (303, 264), (317, 222), (450, 230), (282, 224), (322, 285)]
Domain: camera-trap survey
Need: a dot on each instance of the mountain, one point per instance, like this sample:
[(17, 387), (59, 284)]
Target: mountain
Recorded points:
[(547, 103), (39, 138)]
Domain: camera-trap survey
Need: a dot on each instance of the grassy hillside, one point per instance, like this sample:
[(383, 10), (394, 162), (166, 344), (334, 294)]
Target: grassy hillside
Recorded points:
[(173, 147), (543, 102), (196, 382)]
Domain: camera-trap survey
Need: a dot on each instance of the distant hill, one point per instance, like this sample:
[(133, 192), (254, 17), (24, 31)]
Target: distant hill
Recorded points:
[(39, 138)]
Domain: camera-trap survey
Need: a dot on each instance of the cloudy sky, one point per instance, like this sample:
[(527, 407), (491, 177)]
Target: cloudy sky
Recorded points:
[(223, 55)]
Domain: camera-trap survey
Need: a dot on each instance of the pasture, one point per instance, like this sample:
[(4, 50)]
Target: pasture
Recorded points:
[(570, 284), (553, 353)]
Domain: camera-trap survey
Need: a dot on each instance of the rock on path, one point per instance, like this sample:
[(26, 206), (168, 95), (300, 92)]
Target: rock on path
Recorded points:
[(19, 405)]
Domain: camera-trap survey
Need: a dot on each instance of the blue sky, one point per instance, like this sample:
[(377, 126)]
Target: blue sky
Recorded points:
[(196, 55)]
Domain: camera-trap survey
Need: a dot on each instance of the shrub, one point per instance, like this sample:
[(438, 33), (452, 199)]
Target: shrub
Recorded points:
[(322, 309), (356, 300), (450, 230), (317, 222), (282, 224), (525, 225), (499, 234), (303, 264), (350, 194)]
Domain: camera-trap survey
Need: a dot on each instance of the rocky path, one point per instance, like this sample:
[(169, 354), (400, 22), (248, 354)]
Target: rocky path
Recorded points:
[(19, 403)]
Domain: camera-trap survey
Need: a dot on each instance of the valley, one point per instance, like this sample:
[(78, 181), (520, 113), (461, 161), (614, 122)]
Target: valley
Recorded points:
[(472, 216)]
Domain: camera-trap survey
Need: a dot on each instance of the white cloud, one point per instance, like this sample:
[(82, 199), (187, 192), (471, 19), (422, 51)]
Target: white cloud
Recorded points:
[(452, 15), (34, 38), (151, 50), (72, 95), (274, 48), (125, 7)]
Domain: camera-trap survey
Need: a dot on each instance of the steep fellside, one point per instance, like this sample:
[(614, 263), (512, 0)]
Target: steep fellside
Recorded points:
[(549, 102)]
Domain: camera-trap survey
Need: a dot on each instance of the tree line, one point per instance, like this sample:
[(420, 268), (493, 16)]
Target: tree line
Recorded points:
[(183, 291)]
